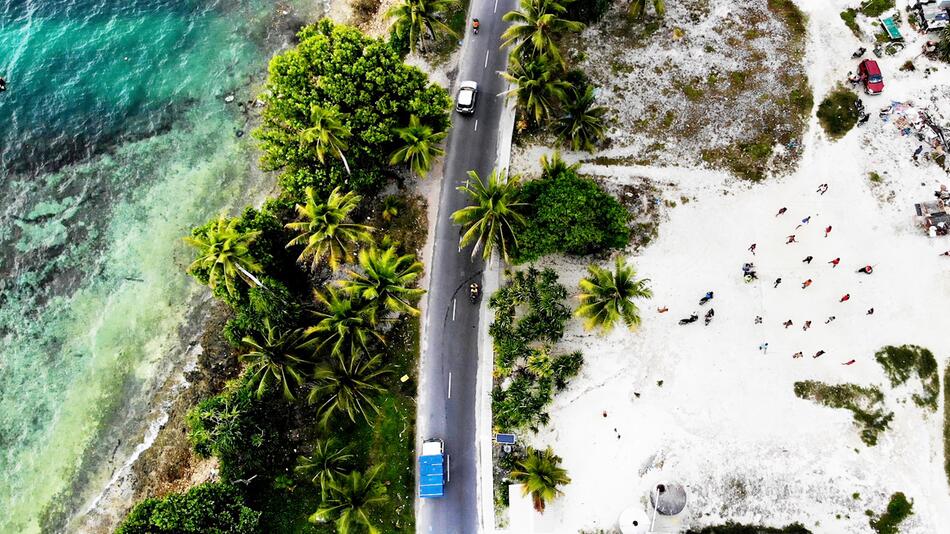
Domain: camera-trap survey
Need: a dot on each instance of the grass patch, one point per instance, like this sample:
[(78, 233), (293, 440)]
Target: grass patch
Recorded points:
[(735, 528), (837, 113), (747, 160), (691, 92), (849, 16), (875, 178), (898, 509), (865, 403), (946, 422), (876, 8), (901, 363), (795, 20)]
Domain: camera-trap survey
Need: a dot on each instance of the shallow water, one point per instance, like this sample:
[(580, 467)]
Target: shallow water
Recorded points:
[(115, 140)]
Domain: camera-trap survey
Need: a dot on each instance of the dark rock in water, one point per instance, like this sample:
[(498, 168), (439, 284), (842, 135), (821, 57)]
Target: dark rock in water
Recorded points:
[(239, 133)]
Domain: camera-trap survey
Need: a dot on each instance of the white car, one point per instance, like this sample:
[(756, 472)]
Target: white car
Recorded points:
[(465, 103)]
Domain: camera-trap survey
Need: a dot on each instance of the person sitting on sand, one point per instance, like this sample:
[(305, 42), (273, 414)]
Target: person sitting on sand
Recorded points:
[(806, 283), (791, 239), (781, 211), (664, 309), (819, 353), (798, 355), (787, 323), (834, 263), (849, 362)]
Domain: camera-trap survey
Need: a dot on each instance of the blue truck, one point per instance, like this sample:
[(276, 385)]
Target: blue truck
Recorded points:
[(433, 469)]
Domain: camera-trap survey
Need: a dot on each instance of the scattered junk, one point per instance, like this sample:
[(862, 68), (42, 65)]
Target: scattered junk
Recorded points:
[(663, 512), (932, 215), (748, 272), (932, 15), (922, 125)]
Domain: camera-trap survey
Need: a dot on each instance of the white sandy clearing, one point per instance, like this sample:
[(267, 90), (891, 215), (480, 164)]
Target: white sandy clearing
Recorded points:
[(725, 421)]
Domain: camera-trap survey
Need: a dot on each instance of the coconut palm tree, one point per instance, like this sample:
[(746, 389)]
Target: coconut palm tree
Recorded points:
[(345, 324), (276, 357), (386, 280), (540, 362), (540, 475), (348, 384), (350, 500), (537, 86), (491, 220), (607, 297), (535, 28), (581, 123), (324, 465), (638, 8), (553, 165), (419, 148), (418, 20), (326, 132), (324, 230), (225, 253)]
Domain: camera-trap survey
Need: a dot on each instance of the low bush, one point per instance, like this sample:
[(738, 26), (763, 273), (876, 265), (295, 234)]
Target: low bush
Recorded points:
[(849, 16), (898, 509), (570, 214), (876, 8), (946, 421), (735, 528), (900, 363), (865, 403), (207, 508), (837, 112)]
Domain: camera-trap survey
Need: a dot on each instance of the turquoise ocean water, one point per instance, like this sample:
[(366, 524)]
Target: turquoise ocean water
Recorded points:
[(115, 138)]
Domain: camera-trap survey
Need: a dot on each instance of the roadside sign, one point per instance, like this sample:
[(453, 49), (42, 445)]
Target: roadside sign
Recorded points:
[(507, 439)]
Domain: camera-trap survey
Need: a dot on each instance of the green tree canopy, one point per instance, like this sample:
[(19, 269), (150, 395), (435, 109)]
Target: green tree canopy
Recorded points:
[(276, 357), (324, 464), (372, 93), (346, 323), (351, 502), (348, 384), (420, 145), (570, 214), (495, 214), (386, 280), (581, 123), (541, 475), (537, 85), (214, 508), (607, 297), (417, 20), (224, 254), (535, 29), (325, 229)]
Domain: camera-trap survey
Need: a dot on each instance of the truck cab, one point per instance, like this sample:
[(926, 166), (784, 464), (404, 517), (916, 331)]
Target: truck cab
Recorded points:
[(433, 469)]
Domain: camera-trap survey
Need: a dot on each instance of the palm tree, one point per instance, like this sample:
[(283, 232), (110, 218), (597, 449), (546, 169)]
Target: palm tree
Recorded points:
[(324, 464), (225, 252), (348, 384), (420, 146), (326, 132), (491, 221), (537, 86), (538, 24), (276, 356), (418, 19), (346, 323), (386, 280), (582, 123), (607, 297), (638, 8), (540, 475), (324, 229), (540, 362), (390, 207), (350, 500), (554, 165)]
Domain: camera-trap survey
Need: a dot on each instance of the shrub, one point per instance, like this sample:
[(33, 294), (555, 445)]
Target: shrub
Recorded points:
[(946, 421), (273, 302), (900, 363), (876, 8), (849, 16), (208, 508), (865, 404), (735, 528), (362, 78), (837, 112), (587, 11), (569, 214), (898, 509)]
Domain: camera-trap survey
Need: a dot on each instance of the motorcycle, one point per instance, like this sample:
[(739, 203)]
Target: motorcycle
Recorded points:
[(706, 298), (691, 319), (473, 292), (475, 26), (860, 52), (709, 316)]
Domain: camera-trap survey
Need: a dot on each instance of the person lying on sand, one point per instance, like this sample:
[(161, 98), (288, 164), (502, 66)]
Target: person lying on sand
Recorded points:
[(664, 309), (849, 362)]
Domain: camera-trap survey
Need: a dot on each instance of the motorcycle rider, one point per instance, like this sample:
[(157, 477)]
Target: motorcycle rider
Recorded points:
[(473, 290), (475, 25)]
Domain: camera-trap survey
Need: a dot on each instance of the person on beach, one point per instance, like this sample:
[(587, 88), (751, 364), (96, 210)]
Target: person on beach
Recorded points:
[(787, 323), (870, 312), (807, 260), (791, 239), (834, 263), (947, 253), (831, 318), (764, 347), (664, 309), (781, 211), (758, 319), (807, 326), (822, 189), (845, 298), (867, 269), (752, 249), (798, 355), (827, 230), (777, 282), (806, 283), (804, 221), (819, 353), (849, 362), (917, 152)]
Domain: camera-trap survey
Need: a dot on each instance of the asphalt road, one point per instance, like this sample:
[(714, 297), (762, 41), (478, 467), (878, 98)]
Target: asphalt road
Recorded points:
[(447, 382)]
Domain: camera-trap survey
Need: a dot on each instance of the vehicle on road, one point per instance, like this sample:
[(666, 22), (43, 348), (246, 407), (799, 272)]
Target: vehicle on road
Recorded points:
[(870, 75), (433, 469), (465, 102)]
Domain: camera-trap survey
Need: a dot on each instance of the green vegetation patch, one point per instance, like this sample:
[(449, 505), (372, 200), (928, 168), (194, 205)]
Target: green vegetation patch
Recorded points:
[(837, 112), (210, 507), (849, 16), (898, 509), (901, 363), (876, 8), (875, 178), (735, 528), (946, 421), (795, 20), (570, 214), (865, 403)]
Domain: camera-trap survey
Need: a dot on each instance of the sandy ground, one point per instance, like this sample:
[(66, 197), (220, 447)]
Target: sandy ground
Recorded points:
[(703, 405)]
